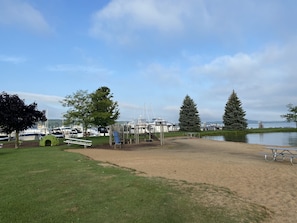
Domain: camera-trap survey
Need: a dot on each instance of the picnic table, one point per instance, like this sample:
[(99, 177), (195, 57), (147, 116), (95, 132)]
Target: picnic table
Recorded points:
[(192, 134), (281, 154)]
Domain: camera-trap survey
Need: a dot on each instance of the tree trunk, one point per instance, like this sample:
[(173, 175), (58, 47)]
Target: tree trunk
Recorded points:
[(17, 141)]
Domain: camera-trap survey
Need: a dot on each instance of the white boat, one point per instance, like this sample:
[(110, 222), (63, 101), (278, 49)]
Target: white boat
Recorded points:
[(156, 125), (103, 131), (4, 137), (31, 134)]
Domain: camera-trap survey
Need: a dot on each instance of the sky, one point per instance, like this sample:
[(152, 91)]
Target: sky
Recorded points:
[(151, 54)]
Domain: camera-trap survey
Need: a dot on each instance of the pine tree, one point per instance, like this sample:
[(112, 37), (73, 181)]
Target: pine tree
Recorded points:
[(189, 119), (234, 117)]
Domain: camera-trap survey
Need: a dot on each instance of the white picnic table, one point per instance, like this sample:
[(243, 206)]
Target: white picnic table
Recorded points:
[(282, 153)]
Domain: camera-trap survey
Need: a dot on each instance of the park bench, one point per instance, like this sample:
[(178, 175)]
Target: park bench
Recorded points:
[(77, 141)]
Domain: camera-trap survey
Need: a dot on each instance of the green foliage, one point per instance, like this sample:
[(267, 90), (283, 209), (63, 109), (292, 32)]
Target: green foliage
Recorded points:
[(15, 115), (292, 115), (189, 120), (234, 116), (79, 109), (96, 108), (104, 110)]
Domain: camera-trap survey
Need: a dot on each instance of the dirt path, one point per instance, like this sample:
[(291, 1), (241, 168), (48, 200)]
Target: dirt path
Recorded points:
[(237, 166)]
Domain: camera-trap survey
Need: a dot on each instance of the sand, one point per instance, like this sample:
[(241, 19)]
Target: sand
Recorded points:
[(238, 166)]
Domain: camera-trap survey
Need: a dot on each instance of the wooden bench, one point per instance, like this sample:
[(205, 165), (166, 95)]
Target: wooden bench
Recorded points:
[(76, 141)]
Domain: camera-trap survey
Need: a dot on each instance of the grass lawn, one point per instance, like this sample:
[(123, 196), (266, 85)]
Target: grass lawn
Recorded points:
[(47, 184)]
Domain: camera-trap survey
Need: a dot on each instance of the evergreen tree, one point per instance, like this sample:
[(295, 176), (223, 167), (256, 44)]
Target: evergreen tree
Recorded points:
[(189, 119), (234, 117)]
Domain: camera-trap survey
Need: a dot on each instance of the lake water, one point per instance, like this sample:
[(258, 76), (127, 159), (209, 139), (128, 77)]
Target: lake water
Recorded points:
[(273, 139)]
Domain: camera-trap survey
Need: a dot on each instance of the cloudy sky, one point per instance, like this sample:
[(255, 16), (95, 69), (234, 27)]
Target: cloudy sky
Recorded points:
[(152, 53)]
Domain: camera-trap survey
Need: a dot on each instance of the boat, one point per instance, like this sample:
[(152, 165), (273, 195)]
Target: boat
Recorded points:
[(4, 137), (31, 134), (156, 125)]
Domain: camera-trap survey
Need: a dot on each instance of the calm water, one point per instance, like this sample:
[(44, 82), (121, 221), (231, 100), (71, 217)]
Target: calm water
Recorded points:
[(275, 138)]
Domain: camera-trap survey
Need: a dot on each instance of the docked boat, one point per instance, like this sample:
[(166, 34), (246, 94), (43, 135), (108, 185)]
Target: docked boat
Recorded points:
[(4, 137), (156, 125), (31, 134)]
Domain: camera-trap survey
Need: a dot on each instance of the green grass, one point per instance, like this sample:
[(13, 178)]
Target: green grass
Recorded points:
[(228, 132), (50, 185)]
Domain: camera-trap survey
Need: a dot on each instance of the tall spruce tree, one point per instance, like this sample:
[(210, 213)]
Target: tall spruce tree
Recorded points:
[(189, 119), (234, 117)]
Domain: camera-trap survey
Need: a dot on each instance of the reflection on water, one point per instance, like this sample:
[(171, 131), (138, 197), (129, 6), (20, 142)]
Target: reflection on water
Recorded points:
[(237, 137), (275, 138)]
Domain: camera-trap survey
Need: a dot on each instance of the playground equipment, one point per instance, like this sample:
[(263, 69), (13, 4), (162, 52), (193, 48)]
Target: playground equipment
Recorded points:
[(117, 140), (49, 140), (127, 134), (161, 124)]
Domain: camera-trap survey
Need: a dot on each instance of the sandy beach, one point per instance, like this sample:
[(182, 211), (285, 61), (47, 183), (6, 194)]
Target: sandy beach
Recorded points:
[(238, 166)]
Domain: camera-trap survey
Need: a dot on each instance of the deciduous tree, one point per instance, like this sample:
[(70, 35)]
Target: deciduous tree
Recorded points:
[(79, 112), (16, 116), (189, 119), (234, 116), (97, 108), (104, 110), (292, 115)]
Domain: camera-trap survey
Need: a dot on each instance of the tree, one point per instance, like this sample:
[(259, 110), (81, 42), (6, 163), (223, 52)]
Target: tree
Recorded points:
[(292, 115), (234, 116), (79, 111), (189, 119), (96, 108), (104, 110), (16, 116)]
